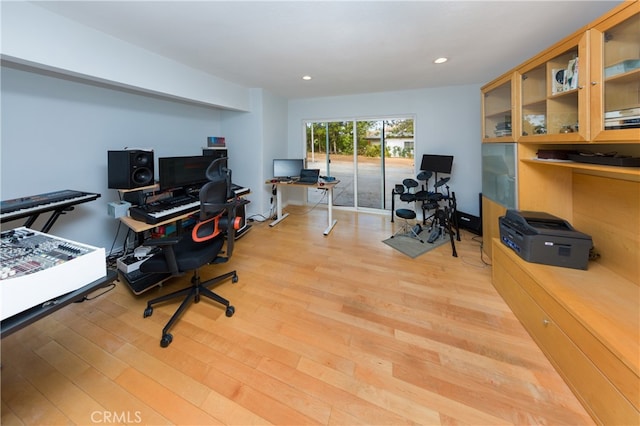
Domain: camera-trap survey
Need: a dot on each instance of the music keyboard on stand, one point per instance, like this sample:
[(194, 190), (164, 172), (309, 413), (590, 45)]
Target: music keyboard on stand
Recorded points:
[(170, 208), (239, 190), (32, 206), (164, 210)]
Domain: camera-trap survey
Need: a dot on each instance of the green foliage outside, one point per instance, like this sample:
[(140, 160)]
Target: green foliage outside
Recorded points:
[(340, 137)]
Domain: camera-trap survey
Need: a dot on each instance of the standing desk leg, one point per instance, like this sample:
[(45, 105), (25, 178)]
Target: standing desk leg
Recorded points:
[(280, 216), (332, 222)]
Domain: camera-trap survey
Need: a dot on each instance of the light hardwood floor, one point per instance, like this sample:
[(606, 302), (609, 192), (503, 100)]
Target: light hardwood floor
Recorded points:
[(335, 330)]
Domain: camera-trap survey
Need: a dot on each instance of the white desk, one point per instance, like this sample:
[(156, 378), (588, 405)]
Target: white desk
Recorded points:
[(327, 186)]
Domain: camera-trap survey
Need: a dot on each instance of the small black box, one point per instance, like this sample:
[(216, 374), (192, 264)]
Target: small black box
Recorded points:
[(469, 222)]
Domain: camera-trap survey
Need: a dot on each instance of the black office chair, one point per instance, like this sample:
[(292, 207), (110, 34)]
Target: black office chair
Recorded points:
[(203, 246), (406, 195)]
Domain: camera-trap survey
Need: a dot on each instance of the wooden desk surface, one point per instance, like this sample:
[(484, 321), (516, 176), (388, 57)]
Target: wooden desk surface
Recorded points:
[(139, 226), (319, 185)]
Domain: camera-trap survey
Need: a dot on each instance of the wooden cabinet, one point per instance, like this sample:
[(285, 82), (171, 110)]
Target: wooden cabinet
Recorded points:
[(588, 331), (586, 322), (615, 77), (498, 110), (584, 89), (553, 98)]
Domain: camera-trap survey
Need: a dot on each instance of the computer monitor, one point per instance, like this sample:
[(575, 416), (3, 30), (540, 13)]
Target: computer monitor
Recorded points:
[(436, 163), (287, 168), (181, 172)]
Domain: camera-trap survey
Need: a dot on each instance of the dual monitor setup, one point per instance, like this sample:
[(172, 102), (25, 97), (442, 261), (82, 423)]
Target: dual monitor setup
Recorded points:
[(179, 180), (129, 169), (182, 172)]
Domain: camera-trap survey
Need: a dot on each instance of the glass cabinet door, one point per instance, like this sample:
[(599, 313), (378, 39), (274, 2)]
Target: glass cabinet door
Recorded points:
[(615, 85), (497, 108), (552, 98)]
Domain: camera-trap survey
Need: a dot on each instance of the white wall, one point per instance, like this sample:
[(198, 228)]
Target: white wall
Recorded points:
[(34, 36), (259, 136), (447, 122), (56, 134)]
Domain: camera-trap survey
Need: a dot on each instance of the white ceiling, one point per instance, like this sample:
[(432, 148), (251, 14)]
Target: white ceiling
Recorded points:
[(348, 47)]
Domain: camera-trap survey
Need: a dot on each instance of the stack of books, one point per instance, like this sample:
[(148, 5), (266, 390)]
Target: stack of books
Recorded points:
[(216, 142), (622, 119), (503, 128)]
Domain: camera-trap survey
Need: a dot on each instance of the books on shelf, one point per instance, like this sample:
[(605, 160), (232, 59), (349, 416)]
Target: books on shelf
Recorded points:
[(628, 118), (564, 79), (216, 142), (626, 123), (628, 112), (503, 128)]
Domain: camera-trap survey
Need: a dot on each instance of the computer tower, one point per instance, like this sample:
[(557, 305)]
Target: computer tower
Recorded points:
[(215, 153)]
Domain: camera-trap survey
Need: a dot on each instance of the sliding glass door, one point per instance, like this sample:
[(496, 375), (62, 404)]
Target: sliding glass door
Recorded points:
[(368, 157)]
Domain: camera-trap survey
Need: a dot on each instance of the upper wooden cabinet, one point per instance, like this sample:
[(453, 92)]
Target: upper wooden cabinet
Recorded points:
[(498, 110), (615, 77), (584, 89), (553, 97)]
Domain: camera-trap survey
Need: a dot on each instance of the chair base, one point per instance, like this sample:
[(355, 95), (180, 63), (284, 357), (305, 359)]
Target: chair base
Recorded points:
[(192, 293)]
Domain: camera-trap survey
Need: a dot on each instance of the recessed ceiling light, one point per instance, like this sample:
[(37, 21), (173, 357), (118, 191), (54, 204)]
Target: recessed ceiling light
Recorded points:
[(306, 77), (440, 60)]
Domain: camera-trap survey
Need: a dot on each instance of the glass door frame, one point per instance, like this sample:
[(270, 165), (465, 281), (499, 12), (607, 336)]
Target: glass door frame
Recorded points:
[(384, 204)]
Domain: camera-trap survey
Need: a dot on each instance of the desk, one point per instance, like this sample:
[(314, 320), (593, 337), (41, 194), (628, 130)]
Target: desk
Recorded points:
[(16, 322), (139, 226), (139, 283), (327, 186)]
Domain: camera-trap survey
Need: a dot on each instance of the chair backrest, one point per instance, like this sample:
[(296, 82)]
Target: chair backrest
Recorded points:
[(217, 206)]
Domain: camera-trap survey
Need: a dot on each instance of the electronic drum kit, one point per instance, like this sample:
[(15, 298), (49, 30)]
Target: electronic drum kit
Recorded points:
[(441, 218)]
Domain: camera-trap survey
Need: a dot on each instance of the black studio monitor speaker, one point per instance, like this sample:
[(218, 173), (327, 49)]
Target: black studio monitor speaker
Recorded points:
[(129, 169)]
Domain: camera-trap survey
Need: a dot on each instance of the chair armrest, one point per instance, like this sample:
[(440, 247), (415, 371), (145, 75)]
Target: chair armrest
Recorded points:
[(166, 244)]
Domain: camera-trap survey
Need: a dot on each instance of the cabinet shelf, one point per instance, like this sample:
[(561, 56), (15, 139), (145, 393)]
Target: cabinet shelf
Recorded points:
[(623, 173), (535, 104), (624, 78), (499, 114), (564, 94)]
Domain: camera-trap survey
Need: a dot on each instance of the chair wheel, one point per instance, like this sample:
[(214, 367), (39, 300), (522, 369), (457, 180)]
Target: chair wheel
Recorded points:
[(230, 311), (234, 279), (166, 340), (148, 312)]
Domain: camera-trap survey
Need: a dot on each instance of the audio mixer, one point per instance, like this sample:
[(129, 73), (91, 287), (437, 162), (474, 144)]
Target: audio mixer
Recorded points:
[(36, 267)]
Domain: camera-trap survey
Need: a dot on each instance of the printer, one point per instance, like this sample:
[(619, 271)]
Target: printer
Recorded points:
[(543, 238)]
